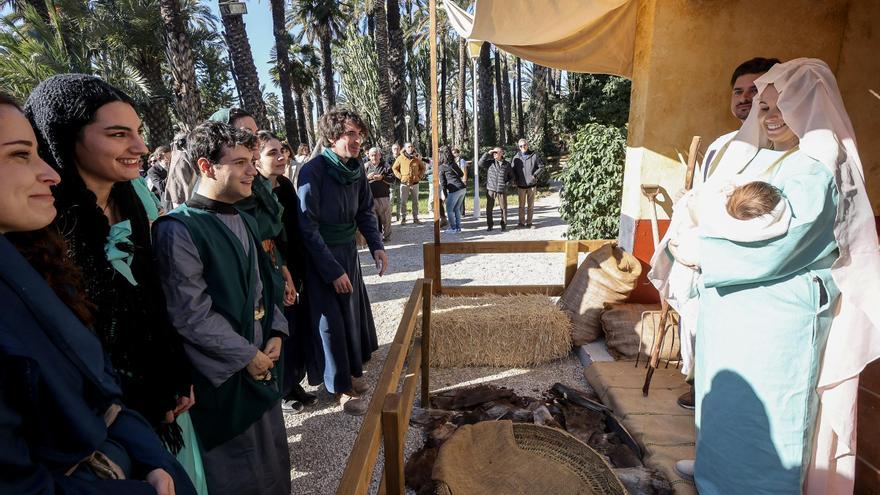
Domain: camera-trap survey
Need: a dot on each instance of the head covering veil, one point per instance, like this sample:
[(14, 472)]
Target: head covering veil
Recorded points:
[(811, 105)]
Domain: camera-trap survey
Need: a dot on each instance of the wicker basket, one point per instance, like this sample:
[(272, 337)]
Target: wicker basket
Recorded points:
[(596, 475)]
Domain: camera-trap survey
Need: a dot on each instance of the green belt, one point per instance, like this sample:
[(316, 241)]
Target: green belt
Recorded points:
[(335, 234)]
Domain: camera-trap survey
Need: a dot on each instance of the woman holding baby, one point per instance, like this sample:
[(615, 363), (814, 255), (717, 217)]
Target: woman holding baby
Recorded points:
[(785, 278)]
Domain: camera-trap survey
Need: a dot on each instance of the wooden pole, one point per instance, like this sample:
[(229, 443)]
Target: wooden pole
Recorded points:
[(435, 136), (664, 305), (426, 344), (393, 440)]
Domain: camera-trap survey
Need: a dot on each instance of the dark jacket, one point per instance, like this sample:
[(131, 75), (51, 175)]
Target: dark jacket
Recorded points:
[(380, 188), (157, 176), (526, 169), (55, 385), (451, 178), (499, 174)]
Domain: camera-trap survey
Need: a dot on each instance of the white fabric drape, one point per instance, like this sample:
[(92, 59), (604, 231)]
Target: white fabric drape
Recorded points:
[(576, 35)]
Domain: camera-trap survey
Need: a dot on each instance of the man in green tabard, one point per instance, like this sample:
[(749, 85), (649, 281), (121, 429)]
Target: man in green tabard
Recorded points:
[(219, 292)]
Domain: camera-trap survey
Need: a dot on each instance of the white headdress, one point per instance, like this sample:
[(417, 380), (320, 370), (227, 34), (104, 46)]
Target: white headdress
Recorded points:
[(812, 107)]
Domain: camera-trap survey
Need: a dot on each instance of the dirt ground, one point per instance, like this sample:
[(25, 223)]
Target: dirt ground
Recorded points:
[(321, 437)]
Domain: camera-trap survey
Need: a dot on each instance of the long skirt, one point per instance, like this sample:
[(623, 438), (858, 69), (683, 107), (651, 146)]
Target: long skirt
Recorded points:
[(342, 324), (757, 364), (256, 462)]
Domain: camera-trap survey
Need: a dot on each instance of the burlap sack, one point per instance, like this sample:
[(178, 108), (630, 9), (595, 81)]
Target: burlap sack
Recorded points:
[(607, 275), (624, 331)]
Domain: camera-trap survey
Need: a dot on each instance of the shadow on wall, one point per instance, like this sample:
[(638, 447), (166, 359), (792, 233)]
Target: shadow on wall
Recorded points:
[(734, 443)]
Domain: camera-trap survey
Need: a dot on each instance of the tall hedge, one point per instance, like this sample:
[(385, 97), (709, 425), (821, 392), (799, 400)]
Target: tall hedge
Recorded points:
[(593, 182)]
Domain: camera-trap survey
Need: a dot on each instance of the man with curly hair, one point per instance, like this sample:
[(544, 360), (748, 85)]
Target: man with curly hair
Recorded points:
[(335, 202)]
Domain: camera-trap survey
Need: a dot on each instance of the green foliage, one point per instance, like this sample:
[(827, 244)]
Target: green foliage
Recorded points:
[(593, 181), (591, 98), (360, 79)]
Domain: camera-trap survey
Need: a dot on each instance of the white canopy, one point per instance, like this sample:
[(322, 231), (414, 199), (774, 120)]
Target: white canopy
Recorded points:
[(576, 35)]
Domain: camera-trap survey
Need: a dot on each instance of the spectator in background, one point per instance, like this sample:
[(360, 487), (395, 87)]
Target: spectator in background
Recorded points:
[(380, 176), (527, 166), (157, 174), (409, 169), (451, 182), (463, 165), (498, 178)]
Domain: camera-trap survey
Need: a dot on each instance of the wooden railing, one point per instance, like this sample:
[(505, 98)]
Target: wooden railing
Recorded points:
[(389, 411), (431, 253), (387, 418)]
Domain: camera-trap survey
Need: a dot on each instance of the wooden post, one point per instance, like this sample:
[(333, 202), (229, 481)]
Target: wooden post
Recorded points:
[(571, 260), (394, 482), (435, 136), (426, 344)]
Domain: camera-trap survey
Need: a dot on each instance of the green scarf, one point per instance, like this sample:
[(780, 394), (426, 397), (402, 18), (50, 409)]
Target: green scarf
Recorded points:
[(344, 173)]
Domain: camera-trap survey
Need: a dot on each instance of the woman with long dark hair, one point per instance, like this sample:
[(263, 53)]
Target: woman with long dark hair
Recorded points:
[(88, 131), (62, 425)]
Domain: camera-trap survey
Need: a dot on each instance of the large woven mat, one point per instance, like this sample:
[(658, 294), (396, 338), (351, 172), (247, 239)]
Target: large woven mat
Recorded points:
[(521, 459)]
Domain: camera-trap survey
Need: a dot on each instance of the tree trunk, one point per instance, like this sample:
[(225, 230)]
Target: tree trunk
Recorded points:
[(499, 93), (487, 100), (157, 116), (462, 135), (508, 111), (386, 106), (302, 124), (538, 107), (246, 79), (396, 67), (310, 124), (442, 103), (179, 52), (282, 58), (520, 122), (329, 95), (319, 100)]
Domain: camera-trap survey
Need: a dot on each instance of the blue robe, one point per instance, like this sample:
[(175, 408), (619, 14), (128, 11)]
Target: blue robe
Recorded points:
[(55, 384), (765, 312), (342, 324)]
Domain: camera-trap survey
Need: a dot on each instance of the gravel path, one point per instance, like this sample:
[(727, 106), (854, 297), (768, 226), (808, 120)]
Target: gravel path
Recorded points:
[(322, 436)]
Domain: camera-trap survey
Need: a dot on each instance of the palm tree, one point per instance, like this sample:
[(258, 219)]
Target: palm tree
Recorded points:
[(499, 92), (487, 101), (182, 64), (520, 123), (39, 7), (303, 71), (322, 21), (462, 135), (396, 68), (538, 107), (442, 95), (282, 62), (508, 110), (386, 106), (246, 79)]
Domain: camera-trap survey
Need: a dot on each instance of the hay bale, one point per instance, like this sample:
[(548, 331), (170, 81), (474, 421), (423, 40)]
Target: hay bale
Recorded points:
[(501, 331)]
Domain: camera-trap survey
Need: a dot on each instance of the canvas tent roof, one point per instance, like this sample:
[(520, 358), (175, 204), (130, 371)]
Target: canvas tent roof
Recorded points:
[(575, 35)]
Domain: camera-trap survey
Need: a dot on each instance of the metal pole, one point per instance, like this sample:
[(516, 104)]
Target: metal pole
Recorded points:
[(476, 209)]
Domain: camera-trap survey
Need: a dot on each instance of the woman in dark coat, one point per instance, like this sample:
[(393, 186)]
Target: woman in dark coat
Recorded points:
[(63, 428), (335, 201), (88, 131)]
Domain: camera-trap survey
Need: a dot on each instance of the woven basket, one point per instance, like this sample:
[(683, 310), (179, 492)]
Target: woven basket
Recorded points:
[(595, 473)]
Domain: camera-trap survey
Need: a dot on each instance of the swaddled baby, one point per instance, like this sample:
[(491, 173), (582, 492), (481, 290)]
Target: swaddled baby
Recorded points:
[(753, 211)]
